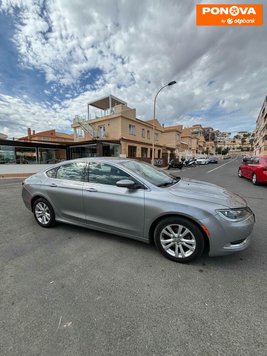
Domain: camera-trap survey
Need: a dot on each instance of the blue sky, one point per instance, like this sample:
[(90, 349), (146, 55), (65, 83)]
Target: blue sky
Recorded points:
[(56, 56)]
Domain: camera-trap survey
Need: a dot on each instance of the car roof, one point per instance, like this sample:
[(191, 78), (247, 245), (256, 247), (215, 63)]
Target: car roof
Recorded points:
[(98, 159)]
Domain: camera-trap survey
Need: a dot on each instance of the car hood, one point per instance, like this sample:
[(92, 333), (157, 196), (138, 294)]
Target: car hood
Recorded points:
[(198, 190)]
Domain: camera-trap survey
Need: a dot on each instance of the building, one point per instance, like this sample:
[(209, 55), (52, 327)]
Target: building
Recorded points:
[(3, 136), (47, 136), (113, 130), (260, 140)]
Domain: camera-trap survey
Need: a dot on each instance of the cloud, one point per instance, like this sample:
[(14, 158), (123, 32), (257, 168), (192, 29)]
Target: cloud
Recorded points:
[(221, 72)]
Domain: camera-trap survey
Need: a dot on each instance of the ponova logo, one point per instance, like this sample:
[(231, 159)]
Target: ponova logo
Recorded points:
[(229, 15), (233, 10)]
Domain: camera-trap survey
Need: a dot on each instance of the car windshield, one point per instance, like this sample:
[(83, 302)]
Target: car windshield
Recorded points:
[(151, 174)]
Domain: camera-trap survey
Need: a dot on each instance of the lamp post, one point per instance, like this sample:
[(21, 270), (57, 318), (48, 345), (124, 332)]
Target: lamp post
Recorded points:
[(154, 119)]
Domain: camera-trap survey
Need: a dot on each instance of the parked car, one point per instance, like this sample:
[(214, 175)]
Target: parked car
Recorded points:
[(136, 200), (255, 169), (213, 159), (202, 160), (226, 157), (175, 163)]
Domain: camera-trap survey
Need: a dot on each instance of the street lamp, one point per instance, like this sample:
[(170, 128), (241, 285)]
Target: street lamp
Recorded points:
[(154, 118)]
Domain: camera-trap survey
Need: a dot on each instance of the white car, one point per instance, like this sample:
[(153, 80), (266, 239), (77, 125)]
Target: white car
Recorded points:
[(202, 160)]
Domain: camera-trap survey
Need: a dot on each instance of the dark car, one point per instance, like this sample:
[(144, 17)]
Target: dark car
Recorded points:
[(213, 160), (255, 169), (175, 163)]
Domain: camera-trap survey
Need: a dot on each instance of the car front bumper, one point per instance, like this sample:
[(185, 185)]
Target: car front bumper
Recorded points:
[(226, 237)]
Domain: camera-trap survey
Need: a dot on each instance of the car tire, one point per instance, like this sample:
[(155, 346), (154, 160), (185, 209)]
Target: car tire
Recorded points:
[(240, 175), (254, 179), (179, 239), (44, 213)]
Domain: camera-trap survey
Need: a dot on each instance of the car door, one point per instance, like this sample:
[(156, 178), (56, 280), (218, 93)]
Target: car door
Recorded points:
[(115, 209), (246, 168), (64, 188), (253, 166), (249, 168)]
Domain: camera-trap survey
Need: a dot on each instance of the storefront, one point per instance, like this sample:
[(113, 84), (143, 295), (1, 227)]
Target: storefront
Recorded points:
[(15, 152)]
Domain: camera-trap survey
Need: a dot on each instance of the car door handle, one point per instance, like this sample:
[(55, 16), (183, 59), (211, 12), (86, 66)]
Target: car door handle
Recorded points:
[(53, 185), (90, 189)]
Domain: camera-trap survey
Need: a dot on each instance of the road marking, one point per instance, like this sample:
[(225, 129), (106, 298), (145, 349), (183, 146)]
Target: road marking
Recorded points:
[(214, 169)]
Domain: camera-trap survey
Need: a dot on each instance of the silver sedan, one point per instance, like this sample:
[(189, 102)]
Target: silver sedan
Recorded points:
[(133, 199)]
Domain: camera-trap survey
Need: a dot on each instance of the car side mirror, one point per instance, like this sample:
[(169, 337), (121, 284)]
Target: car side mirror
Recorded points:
[(126, 183)]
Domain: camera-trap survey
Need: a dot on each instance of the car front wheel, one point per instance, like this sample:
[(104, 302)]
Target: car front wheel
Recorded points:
[(44, 213), (179, 239)]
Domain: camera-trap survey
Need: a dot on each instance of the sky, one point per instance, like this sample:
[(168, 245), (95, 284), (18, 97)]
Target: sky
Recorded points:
[(58, 55)]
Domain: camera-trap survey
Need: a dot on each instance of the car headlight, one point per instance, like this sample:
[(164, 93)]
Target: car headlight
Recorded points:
[(235, 214)]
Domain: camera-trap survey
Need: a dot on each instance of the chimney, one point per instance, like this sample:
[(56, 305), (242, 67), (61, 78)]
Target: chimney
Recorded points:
[(29, 134)]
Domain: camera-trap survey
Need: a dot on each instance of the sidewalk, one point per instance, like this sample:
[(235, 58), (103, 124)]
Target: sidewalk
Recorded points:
[(9, 171)]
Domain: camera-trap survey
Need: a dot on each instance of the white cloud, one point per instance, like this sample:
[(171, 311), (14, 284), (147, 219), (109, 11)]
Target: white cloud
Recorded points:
[(140, 47)]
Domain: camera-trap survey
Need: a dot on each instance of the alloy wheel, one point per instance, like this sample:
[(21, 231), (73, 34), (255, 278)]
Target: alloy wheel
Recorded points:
[(178, 241), (42, 213)]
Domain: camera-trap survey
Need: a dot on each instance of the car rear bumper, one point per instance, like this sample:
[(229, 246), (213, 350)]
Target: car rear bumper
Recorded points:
[(26, 197)]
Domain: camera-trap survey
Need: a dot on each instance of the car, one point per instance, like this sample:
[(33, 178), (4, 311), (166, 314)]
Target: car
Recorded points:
[(255, 169), (134, 199), (175, 163), (213, 159), (202, 160), (226, 157)]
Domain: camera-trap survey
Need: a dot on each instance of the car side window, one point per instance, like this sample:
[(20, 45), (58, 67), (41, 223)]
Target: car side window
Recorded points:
[(73, 171), (103, 173), (255, 160), (52, 173)]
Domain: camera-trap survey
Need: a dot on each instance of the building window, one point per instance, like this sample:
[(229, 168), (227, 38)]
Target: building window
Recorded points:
[(159, 153), (177, 137), (144, 152), (51, 155), (131, 129), (156, 136), (148, 134), (79, 133), (132, 151), (25, 155), (143, 133), (7, 154), (101, 131)]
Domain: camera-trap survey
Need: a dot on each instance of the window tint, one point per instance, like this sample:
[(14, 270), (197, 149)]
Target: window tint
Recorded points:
[(151, 174), (72, 171), (103, 173), (255, 160), (52, 173)]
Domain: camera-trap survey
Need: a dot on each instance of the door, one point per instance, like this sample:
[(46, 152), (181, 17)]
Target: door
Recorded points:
[(106, 206), (64, 188)]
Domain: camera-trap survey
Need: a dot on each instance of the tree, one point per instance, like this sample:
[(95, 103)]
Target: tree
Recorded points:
[(225, 151)]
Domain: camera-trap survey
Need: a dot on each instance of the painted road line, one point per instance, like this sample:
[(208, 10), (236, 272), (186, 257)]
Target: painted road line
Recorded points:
[(214, 169)]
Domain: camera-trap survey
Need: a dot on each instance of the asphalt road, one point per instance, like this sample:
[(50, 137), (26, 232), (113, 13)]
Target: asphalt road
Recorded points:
[(72, 291)]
